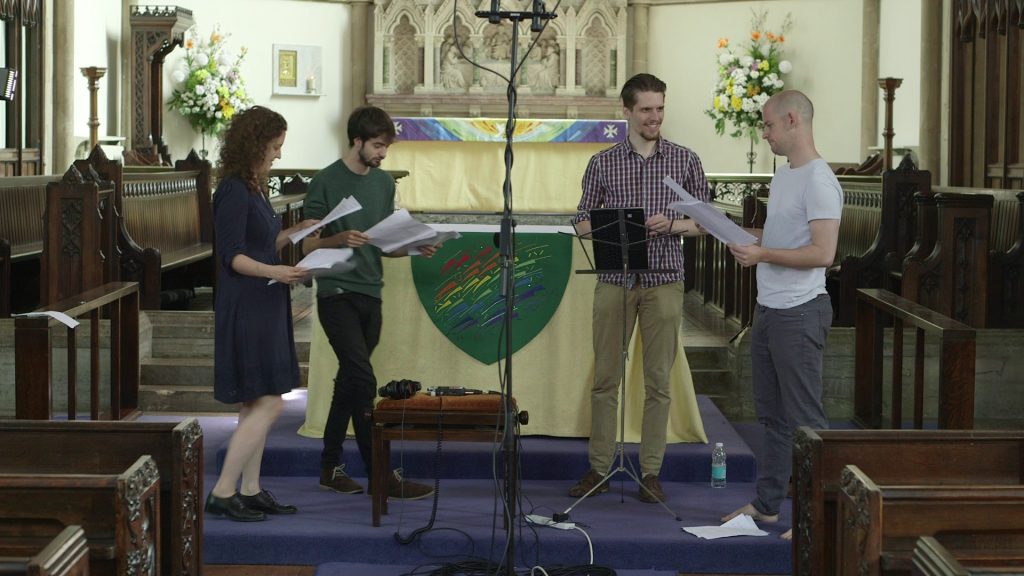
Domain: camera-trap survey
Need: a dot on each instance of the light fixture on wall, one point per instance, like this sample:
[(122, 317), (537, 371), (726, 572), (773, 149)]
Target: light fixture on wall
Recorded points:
[(8, 83)]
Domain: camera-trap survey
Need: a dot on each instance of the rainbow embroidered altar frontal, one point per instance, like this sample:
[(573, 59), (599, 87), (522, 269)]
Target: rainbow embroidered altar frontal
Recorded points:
[(460, 289)]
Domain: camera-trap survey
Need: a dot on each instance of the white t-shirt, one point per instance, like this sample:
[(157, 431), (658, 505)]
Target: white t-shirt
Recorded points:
[(797, 196)]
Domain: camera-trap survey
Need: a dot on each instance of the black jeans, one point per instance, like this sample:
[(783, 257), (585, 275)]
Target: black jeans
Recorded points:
[(352, 323)]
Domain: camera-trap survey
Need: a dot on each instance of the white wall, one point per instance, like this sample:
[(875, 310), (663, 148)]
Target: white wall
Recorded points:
[(900, 57), (824, 45), (97, 33), (316, 124)]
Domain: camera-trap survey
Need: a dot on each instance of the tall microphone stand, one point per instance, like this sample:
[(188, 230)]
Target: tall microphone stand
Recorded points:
[(506, 250)]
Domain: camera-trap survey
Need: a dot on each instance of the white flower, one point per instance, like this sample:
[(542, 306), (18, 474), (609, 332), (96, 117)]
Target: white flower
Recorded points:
[(746, 61), (202, 60), (178, 78), (785, 67), (725, 58), (201, 89), (750, 105), (755, 74)]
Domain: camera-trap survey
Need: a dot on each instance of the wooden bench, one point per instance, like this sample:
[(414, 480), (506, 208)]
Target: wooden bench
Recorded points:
[(932, 558), (878, 525), (433, 418), (65, 555), (953, 457), (877, 230), (953, 278), (22, 205), (40, 447), (119, 513), (165, 222)]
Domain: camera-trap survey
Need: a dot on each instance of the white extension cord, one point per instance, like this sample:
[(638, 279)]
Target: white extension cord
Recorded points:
[(538, 520)]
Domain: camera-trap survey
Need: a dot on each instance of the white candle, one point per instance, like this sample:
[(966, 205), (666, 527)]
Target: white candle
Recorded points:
[(311, 85)]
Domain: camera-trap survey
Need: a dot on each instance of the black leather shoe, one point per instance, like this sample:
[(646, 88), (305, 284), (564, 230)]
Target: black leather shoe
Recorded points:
[(265, 502), (233, 508)]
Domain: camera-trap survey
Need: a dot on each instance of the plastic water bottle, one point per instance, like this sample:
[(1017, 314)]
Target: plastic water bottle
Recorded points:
[(718, 466)]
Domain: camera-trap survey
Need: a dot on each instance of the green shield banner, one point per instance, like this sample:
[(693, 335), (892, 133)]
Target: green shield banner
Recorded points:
[(460, 288)]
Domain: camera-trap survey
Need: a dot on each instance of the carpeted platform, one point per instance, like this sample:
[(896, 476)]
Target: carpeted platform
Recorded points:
[(334, 531), (351, 568)]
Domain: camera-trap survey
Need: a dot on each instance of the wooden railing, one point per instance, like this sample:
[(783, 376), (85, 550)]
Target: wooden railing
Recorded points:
[(955, 357), (33, 348)]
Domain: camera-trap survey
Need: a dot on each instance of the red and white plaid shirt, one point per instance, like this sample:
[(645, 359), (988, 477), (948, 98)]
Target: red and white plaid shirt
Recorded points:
[(620, 177)]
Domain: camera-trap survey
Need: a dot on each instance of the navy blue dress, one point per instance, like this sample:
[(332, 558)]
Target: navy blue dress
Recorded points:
[(254, 346)]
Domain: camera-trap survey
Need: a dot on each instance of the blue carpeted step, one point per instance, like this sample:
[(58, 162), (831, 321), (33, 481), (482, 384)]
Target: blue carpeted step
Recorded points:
[(542, 458), (625, 533), (351, 568)]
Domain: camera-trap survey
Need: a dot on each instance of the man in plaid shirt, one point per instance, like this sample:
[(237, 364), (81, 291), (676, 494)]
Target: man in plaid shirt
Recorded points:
[(630, 174)]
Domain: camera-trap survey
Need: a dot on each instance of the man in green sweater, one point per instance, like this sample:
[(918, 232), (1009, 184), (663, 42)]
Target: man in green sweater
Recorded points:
[(349, 303)]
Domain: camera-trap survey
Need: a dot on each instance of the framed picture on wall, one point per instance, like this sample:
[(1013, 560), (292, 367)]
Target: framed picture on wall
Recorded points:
[(297, 70)]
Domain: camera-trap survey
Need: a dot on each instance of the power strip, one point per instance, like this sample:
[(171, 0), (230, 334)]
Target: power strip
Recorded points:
[(545, 521)]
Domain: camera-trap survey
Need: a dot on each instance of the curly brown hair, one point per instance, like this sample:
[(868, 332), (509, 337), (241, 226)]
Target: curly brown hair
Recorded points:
[(244, 145)]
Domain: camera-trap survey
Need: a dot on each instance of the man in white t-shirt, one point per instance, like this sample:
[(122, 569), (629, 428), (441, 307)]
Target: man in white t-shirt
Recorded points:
[(793, 313)]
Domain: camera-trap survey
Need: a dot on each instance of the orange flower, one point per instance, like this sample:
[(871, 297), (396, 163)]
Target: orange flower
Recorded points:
[(782, 38), (755, 35), (189, 44), (723, 42), (214, 38), (771, 37)]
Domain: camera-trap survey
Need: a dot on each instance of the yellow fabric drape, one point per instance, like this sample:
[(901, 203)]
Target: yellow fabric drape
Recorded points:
[(468, 176), (552, 374)]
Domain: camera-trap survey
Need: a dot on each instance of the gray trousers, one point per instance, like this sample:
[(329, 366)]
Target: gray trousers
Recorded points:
[(786, 352)]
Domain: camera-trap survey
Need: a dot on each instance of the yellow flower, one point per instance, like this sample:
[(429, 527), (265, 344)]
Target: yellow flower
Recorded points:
[(214, 37), (716, 101), (737, 103), (227, 110), (763, 65)]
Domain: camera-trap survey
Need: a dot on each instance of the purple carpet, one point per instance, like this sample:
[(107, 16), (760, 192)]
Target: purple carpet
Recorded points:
[(334, 531)]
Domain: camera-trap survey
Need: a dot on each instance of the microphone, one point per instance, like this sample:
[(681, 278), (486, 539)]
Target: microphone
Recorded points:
[(538, 10), (494, 17)]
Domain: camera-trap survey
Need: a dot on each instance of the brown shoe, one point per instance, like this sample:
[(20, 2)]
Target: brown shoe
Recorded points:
[(402, 489), (586, 484), (650, 490), (336, 479)]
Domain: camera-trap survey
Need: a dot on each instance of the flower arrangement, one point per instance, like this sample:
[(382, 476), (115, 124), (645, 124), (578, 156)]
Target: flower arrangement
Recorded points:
[(208, 88), (747, 76)]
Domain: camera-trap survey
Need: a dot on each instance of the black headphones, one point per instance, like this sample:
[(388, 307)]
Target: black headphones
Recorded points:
[(399, 389)]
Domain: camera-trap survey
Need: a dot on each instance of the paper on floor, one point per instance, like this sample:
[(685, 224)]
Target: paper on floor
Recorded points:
[(742, 525)]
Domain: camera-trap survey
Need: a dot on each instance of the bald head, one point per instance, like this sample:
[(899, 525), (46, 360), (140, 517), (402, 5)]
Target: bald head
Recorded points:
[(792, 101)]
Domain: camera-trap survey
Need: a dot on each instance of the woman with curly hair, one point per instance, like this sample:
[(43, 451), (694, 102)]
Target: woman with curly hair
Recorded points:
[(254, 346)]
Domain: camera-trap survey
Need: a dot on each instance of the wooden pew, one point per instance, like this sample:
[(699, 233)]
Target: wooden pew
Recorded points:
[(40, 447), (932, 558), (22, 204), (876, 233), (878, 525), (119, 513), (165, 222), (1006, 262), (953, 278), (946, 457), (65, 555)]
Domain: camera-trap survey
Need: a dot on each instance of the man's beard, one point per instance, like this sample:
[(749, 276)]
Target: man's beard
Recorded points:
[(367, 160)]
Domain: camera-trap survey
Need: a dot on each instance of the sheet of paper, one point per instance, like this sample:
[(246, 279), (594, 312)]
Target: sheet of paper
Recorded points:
[(398, 230), (742, 525), (344, 208), (717, 224), (324, 260), (439, 237), (58, 316)]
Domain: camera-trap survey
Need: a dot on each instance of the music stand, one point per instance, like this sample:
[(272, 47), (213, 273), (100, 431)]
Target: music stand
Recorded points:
[(620, 247)]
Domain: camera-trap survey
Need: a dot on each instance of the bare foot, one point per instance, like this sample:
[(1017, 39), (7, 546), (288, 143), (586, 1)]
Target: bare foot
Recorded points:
[(787, 535), (749, 510)]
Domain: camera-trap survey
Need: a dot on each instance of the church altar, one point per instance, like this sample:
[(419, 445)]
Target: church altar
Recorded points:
[(552, 373)]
